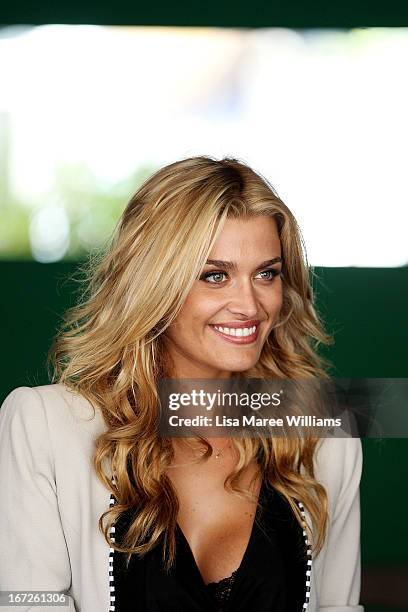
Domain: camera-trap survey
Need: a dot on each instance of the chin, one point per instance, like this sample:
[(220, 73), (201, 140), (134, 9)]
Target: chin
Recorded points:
[(240, 367)]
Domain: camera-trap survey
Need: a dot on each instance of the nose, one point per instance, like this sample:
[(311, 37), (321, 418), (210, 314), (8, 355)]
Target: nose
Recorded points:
[(244, 300)]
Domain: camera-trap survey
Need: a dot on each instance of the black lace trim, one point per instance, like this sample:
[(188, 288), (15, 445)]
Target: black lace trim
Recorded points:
[(221, 590)]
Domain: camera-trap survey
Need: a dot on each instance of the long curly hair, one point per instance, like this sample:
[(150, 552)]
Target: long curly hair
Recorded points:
[(110, 349)]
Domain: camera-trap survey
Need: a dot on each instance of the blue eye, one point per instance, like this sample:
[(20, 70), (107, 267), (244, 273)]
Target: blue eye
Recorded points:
[(216, 278), (272, 273), (213, 275)]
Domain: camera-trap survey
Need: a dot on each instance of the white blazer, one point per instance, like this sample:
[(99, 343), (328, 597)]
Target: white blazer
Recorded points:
[(51, 501)]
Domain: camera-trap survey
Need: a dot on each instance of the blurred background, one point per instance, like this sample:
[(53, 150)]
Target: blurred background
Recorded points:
[(88, 111)]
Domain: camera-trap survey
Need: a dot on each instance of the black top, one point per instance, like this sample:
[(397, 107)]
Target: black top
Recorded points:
[(270, 578)]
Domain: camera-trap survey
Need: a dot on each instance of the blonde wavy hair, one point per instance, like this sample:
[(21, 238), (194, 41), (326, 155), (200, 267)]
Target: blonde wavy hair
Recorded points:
[(110, 347)]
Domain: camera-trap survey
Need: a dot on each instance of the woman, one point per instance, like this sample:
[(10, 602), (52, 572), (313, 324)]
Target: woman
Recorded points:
[(205, 277)]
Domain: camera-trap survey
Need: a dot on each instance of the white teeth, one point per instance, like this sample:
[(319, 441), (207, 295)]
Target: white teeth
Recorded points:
[(237, 331)]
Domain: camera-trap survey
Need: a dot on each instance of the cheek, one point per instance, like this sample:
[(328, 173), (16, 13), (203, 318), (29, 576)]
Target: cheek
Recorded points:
[(200, 308), (279, 300), (194, 314), (275, 300)]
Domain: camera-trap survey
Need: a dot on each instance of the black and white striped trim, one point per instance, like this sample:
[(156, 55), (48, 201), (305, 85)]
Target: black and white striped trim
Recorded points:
[(112, 502), (309, 555)]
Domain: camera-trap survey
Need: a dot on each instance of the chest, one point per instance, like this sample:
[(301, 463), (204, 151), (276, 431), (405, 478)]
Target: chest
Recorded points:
[(215, 522)]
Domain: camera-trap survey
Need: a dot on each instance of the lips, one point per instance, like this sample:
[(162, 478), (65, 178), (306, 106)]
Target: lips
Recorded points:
[(237, 333)]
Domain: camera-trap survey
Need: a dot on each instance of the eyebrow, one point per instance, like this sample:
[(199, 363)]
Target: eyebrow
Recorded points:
[(230, 265)]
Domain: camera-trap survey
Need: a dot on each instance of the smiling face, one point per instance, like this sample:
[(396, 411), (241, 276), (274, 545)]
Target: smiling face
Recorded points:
[(232, 306)]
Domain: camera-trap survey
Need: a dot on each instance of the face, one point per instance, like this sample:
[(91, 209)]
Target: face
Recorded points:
[(232, 306)]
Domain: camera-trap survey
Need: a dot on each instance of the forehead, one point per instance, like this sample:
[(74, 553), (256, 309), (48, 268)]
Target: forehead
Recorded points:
[(250, 236)]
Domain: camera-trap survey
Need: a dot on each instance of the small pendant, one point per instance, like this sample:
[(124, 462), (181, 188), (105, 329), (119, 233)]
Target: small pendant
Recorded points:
[(217, 455)]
